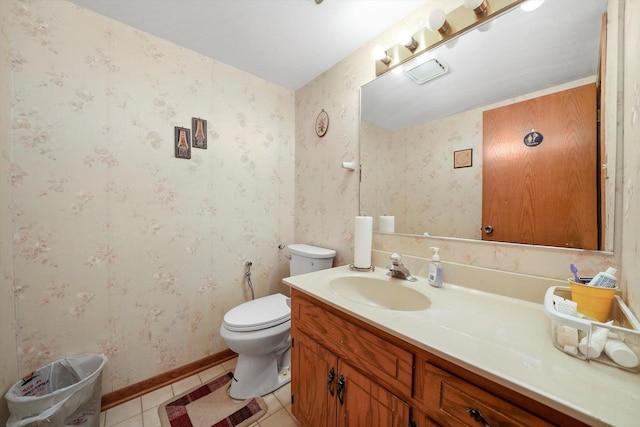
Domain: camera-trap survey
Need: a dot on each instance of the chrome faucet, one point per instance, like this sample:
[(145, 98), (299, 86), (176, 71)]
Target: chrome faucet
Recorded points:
[(397, 269)]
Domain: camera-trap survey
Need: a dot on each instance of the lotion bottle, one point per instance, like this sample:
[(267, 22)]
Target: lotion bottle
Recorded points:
[(435, 269)]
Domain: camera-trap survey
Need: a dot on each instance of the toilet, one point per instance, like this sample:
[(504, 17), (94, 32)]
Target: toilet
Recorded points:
[(259, 331)]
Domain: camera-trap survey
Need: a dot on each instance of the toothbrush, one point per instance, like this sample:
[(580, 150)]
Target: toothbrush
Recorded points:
[(574, 270)]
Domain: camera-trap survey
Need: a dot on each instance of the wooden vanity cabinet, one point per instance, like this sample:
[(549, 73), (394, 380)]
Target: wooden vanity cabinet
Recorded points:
[(330, 392), (346, 372), (338, 369)]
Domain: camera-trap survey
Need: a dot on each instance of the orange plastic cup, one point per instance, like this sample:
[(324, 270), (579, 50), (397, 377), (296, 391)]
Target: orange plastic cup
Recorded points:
[(592, 301)]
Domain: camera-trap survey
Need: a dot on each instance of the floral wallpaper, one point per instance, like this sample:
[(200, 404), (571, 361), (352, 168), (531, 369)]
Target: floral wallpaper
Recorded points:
[(117, 246), (8, 357), (108, 243), (327, 216)]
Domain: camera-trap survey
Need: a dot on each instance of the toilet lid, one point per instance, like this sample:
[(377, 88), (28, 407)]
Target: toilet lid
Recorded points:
[(258, 314)]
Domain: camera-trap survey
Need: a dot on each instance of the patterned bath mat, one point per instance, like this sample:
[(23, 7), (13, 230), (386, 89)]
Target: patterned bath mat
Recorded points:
[(209, 405)]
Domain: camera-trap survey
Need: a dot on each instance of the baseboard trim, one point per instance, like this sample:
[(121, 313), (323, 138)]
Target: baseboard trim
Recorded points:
[(133, 391)]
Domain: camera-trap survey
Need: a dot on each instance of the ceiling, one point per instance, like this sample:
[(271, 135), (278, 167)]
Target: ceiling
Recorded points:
[(286, 42)]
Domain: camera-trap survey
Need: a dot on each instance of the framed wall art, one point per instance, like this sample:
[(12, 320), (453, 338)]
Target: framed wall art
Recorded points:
[(182, 138), (322, 123), (463, 158), (199, 132)]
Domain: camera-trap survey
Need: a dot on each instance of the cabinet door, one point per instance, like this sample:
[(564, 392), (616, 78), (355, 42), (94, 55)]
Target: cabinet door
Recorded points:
[(420, 419), (364, 403), (313, 383)]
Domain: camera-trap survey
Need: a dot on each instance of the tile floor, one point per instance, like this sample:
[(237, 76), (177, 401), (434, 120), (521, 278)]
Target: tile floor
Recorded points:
[(143, 411)]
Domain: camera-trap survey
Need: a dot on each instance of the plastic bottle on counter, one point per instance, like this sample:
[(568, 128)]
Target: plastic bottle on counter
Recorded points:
[(592, 346), (621, 354), (605, 279), (435, 269)]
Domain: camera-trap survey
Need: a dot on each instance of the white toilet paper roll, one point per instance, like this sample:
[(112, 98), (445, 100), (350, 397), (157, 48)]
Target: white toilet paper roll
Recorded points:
[(387, 224), (363, 238)]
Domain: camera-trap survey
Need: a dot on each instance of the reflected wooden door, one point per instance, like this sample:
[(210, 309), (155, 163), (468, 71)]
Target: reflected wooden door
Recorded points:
[(542, 194)]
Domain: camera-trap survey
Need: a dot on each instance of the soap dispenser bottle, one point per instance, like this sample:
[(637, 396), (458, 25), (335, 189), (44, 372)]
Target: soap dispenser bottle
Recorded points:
[(435, 269)]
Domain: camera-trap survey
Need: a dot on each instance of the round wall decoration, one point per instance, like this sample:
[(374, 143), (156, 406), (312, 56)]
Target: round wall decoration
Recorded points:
[(322, 123)]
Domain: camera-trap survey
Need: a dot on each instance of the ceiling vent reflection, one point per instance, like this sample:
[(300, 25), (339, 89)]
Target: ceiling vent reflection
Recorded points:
[(428, 70)]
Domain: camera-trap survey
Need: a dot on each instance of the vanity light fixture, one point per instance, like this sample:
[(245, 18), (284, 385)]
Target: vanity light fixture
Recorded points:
[(439, 28), (406, 39), (480, 7), (379, 54), (437, 21)]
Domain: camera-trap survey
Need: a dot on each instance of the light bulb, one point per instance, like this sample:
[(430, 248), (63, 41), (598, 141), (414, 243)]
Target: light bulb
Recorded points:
[(485, 27), (478, 6), (472, 4), (437, 21), (378, 53), (406, 39), (530, 5)]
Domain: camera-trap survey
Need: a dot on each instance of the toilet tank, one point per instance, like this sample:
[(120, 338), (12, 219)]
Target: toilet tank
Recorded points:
[(307, 258)]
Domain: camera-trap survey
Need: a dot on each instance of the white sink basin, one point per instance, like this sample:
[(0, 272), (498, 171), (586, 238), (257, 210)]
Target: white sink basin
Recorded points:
[(391, 294)]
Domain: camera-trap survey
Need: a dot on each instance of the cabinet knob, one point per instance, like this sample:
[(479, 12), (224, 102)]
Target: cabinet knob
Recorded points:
[(340, 389), (488, 229), (330, 378), (476, 415)]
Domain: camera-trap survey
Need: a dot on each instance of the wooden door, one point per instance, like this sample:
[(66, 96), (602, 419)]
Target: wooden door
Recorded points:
[(365, 403), (313, 392), (542, 194)]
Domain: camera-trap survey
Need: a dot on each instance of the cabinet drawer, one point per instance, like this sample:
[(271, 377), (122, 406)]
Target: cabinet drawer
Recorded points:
[(372, 355), (452, 401)]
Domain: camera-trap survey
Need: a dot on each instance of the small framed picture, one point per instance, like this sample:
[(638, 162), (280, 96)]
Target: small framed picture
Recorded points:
[(463, 158), (322, 123), (199, 132), (182, 143)]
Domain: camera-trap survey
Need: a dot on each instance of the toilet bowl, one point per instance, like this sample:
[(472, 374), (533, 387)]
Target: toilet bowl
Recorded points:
[(259, 331)]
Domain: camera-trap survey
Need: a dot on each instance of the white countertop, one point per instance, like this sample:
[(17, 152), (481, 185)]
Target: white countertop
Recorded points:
[(504, 339)]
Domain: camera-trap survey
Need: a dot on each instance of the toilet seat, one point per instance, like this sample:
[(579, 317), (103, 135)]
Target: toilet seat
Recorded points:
[(257, 314)]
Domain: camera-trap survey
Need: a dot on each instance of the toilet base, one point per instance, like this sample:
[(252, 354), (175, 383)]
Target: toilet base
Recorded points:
[(258, 375)]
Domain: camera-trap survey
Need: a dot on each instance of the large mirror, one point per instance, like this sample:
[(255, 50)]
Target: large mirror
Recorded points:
[(422, 144)]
